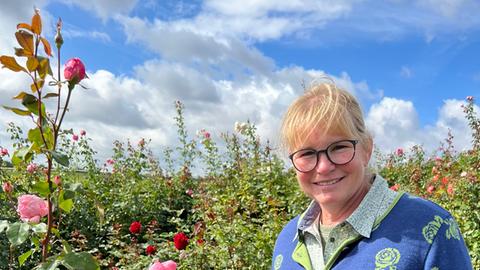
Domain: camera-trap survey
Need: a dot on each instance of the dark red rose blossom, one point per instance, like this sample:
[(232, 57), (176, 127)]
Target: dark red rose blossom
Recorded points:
[(180, 240), (150, 250), (135, 227)]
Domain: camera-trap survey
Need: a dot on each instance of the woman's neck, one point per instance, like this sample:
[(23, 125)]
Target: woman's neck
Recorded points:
[(334, 214)]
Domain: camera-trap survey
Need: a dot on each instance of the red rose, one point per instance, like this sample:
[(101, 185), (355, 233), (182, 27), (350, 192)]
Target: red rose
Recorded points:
[(150, 250), (135, 227), (180, 240)]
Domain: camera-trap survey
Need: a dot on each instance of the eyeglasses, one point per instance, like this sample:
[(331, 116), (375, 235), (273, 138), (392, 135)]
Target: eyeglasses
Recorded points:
[(339, 153)]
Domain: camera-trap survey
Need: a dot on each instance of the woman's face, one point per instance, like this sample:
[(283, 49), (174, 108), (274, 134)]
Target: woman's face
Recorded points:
[(331, 184)]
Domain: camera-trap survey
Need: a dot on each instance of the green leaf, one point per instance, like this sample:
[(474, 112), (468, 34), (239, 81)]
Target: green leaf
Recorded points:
[(60, 158), (23, 154), (50, 264), (42, 188), (17, 233), (18, 111), (22, 258), (66, 204), (40, 228), (32, 63), (82, 260), (49, 95), (3, 225), (66, 247), (44, 67)]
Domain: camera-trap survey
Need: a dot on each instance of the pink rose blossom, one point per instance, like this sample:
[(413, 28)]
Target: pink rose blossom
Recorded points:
[(141, 142), (110, 161), (168, 265), (395, 187), (75, 137), (31, 208), (32, 167), (3, 152), (57, 180), (189, 192), (83, 132), (399, 152), (450, 190), (7, 187), (74, 70), (430, 189)]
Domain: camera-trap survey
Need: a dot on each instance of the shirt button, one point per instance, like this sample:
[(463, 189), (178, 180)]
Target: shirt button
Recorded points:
[(332, 239)]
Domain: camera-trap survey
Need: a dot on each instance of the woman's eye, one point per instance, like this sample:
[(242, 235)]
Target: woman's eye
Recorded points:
[(307, 154)]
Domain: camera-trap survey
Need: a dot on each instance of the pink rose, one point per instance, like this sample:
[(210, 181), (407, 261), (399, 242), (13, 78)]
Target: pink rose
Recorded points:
[(75, 137), (430, 189), (110, 161), (83, 132), (32, 167), (31, 208), (168, 265), (400, 152), (189, 192), (450, 189), (74, 70), (3, 152), (57, 180), (395, 187), (7, 187)]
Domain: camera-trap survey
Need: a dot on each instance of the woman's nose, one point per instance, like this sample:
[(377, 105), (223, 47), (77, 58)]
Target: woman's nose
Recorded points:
[(324, 165)]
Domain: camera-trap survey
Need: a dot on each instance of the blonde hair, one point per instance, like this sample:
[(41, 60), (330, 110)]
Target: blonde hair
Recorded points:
[(323, 107)]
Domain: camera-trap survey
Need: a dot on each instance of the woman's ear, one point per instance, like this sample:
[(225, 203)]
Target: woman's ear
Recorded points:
[(368, 148)]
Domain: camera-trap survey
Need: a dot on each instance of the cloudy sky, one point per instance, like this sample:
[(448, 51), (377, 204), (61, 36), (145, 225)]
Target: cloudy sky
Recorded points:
[(410, 63)]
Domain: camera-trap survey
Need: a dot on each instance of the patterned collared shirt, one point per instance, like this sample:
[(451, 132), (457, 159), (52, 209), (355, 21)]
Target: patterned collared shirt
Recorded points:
[(360, 223)]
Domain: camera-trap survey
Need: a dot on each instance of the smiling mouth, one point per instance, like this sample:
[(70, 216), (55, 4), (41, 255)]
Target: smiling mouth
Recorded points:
[(329, 182)]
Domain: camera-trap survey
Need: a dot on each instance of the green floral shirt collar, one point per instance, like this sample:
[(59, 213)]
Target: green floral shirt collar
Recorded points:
[(376, 202)]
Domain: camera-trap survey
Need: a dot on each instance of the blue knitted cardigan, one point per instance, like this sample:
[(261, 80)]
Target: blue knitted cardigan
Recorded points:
[(412, 234)]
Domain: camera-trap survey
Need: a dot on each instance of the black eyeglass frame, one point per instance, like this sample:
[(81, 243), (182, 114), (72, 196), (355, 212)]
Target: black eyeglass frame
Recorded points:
[(318, 152)]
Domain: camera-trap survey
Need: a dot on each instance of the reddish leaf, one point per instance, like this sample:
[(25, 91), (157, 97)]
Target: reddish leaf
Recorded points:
[(25, 40), (24, 26), (10, 63), (22, 52), (46, 46), (36, 23)]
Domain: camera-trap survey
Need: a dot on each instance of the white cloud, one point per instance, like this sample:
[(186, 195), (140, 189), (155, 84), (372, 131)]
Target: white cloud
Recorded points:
[(394, 124), (105, 8)]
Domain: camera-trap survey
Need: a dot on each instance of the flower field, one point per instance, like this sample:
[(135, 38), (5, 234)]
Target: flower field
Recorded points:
[(60, 208)]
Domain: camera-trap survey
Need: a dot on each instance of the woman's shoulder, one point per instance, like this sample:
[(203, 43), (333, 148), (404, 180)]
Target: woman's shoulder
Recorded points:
[(417, 205)]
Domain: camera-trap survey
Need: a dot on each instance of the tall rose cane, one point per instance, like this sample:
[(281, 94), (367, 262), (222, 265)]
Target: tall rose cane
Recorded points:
[(43, 138)]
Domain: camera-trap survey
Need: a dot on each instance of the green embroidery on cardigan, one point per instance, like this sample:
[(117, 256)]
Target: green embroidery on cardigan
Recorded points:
[(386, 259), (452, 231), (278, 261), (431, 229), (435, 268)]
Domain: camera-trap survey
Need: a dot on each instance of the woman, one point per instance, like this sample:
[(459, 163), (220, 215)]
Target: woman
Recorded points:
[(354, 220)]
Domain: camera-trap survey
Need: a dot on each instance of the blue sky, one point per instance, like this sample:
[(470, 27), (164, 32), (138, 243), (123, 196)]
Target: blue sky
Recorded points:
[(410, 63)]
